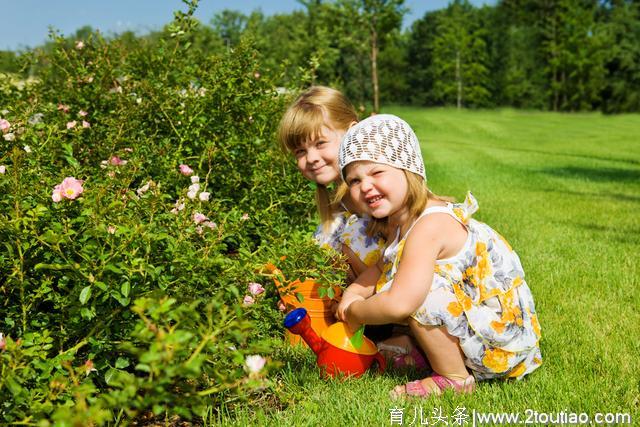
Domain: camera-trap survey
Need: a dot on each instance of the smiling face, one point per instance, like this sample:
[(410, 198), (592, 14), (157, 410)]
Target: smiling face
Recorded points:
[(317, 158), (378, 189)]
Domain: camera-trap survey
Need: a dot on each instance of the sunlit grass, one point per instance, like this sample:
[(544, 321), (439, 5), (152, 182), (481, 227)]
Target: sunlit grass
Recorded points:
[(564, 189)]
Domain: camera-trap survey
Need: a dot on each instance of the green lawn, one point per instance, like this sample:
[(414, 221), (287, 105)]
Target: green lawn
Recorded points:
[(564, 189)]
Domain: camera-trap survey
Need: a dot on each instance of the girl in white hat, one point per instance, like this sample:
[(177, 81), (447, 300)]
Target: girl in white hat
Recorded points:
[(455, 281)]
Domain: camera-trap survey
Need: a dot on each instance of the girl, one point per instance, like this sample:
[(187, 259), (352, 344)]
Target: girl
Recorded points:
[(312, 129), (454, 280)]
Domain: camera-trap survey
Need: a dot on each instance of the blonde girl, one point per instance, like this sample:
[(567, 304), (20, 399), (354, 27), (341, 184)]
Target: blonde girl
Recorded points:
[(312, 129), (456, 282)]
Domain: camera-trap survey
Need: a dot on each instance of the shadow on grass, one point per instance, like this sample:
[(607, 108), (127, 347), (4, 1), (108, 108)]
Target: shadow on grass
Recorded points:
[(624, 235), (595, 174), (587, 194), (548, 153)]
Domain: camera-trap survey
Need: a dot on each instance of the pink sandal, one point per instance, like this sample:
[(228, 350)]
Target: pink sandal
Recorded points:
[(415, 388)]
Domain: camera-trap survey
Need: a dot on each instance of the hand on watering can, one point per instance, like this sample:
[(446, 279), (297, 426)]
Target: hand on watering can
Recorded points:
[(341, 312)]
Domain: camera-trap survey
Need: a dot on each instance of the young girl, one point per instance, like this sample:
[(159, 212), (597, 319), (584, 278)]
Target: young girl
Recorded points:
[(312, 129), (454, 280)]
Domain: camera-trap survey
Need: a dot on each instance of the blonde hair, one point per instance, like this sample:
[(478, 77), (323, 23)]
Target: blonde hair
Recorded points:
[(418, 195), (303, 121)]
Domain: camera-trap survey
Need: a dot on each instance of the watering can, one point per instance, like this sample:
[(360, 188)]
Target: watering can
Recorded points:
[(335, 353)]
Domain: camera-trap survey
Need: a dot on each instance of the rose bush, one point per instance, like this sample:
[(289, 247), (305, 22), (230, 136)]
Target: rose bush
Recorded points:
[(142, 192)]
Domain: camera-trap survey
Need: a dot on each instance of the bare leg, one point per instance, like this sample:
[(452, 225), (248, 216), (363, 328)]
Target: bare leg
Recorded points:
[(444, 354)]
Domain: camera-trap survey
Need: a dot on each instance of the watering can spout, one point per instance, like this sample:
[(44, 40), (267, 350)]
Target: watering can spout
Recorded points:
[(299, 323)]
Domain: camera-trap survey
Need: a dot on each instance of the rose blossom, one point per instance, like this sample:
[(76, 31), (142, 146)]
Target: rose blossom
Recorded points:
[(248, 300), (255, 288), (195, 179), (140, 191), (244, 217), (210, 224), (56, 196), (198, 218), (3, 343), (86, 124), (281, 306), (82, 113), (9, 137), (185, 170), (63, 108), (26, 148), (254, 363), (71, 124), (4, 125), (71, 188), (79, 44), (3, 169), (117, 161), (111, 229), (204, 196)]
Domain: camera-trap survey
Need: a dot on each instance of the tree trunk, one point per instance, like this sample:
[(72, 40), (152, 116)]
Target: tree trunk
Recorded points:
[(374, 67), (458, 80)]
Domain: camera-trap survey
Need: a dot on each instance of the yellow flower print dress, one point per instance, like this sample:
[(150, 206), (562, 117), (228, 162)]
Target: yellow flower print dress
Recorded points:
[(350, 229), (481, 297)]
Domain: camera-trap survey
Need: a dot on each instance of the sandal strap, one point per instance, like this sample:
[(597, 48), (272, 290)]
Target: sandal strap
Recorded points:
[(415, 388), (465, 386)]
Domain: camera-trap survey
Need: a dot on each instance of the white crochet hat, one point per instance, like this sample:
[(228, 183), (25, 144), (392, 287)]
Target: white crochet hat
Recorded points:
[(383, 138)]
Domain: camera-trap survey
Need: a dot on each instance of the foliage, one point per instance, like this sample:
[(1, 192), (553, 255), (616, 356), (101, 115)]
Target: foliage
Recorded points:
[(127, 297)]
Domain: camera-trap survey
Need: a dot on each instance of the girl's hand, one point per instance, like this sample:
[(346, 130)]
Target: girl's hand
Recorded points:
[(347, 300)]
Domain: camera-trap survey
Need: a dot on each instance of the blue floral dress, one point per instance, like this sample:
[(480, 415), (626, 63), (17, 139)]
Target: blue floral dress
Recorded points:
[(350, 229), (480, 296)]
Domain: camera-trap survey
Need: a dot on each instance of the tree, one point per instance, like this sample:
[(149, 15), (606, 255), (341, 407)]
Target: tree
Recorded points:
[(622, 89), (460, 57)]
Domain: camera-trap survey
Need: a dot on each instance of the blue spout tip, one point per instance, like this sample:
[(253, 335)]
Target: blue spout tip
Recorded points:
[(294, 317)]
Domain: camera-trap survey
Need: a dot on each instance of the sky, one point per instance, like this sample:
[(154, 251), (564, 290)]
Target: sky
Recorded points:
[(25, 23)]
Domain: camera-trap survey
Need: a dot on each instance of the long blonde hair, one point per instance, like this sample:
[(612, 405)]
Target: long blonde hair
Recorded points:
[(418, 195), (303, 121)]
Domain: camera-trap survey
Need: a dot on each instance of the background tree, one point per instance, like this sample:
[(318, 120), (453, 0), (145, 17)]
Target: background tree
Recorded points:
[(460, 57)]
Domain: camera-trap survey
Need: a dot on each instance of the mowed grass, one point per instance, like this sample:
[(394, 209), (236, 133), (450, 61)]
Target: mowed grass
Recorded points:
[(564, 189)]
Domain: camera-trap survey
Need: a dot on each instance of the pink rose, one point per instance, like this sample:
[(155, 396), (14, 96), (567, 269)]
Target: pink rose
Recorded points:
[(199, 218), (3, 169), (281, 306), (82, 113), (117, 161), (56, 196), (244, 217), (71, 124), (3, 343), (248, 300), (79, 44), (4, 125), (63, 108), (211, 225), (254, 363), (255, 288), (86, 124), (71, 188), (185, 170)]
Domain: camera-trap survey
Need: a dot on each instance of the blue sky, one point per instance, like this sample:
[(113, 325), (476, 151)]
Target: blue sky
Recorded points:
[(25, 23)]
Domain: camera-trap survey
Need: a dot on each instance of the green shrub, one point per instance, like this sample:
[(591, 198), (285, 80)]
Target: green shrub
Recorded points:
[(127, 299)]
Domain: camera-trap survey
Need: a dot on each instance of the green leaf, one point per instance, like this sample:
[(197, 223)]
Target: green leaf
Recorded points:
[(358, 338), (85, 294), (300, 297), (125, 288), (330, 292), (122, 363)]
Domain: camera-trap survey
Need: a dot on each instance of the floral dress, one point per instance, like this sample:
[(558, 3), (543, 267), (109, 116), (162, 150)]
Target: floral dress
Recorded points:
[(350, 229), (480, 296)]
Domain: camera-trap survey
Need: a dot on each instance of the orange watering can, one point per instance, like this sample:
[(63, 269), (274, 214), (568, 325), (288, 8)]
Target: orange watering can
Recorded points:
[(335, 353)]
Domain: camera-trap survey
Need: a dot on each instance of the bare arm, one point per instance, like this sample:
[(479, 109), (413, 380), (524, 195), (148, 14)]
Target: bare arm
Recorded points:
[(363, 287), (411, 283)]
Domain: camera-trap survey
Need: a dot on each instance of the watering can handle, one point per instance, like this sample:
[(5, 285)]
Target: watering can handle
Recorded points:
[(382, 362)]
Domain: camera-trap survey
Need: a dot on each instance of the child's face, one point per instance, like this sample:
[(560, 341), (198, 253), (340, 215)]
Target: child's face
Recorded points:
[(379, 190), (317, 158)]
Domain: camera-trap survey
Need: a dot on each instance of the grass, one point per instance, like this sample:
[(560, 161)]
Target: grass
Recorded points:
[(564, 189)]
